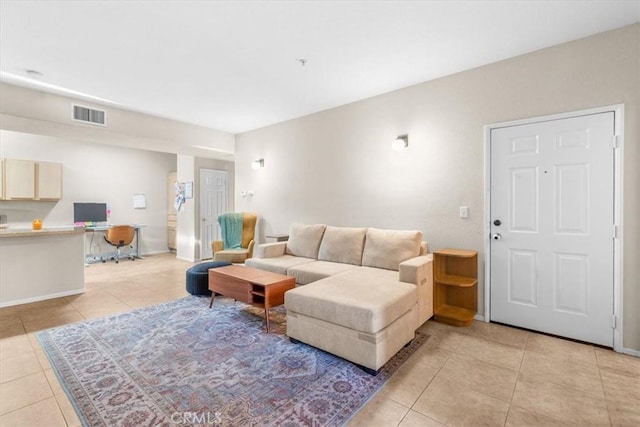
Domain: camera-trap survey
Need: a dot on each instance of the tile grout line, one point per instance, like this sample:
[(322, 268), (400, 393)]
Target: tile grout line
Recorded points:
[(604, 391), (428, 384), (515, 385), (32, 403)]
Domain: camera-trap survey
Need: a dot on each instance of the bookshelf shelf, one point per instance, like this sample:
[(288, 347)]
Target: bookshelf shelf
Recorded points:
[(455, 286)]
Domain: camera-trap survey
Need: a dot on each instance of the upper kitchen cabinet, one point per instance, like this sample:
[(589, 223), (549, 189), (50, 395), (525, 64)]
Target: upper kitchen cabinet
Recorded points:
[(1, 179), (30, 180), (19, 179), (48, 181)]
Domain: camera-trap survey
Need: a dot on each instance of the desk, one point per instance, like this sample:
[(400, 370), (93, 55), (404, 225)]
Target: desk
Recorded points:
[(102, 255)]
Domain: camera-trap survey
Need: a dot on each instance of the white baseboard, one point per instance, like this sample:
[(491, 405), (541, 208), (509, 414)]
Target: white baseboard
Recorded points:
[(154, 253), (630, 352), (41, 298)]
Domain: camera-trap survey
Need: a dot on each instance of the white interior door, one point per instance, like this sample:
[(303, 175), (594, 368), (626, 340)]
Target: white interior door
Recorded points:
[(213, 202), (552, 225)]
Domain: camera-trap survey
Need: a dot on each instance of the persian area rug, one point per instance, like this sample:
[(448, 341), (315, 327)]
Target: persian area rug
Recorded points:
[(181, 363)]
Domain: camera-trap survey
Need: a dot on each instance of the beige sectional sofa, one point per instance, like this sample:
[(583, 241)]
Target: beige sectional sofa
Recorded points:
[(362, 291)]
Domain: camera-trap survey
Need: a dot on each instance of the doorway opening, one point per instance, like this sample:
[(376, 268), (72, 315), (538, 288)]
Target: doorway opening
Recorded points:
[(213, 202)]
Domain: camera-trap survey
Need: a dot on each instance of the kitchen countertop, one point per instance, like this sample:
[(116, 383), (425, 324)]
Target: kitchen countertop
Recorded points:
[(28, 232)]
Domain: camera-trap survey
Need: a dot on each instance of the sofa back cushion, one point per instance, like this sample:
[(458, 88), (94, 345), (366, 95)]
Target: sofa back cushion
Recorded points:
[(388, 248), (342, 244), (304, 240)]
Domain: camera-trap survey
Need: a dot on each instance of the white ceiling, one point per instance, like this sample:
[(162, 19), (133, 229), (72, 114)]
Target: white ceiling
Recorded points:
[(233, 65)]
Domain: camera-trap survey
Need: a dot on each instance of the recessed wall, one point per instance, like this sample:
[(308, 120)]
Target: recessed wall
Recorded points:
[(95, 173)]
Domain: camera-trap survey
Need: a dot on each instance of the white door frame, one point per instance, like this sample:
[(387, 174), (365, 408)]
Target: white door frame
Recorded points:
[(618, 111)]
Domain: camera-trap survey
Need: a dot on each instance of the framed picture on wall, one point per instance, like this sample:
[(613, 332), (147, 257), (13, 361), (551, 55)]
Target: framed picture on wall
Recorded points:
[(139, 201), (188, 190)]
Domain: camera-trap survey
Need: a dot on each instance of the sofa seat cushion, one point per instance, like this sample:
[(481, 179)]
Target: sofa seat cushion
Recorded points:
[(304, 240), (388, 248), (317, 270), (342, 244), (277, 264), (361, 299)]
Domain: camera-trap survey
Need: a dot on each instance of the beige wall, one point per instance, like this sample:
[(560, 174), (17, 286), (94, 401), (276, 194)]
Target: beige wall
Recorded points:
[(337, 166)]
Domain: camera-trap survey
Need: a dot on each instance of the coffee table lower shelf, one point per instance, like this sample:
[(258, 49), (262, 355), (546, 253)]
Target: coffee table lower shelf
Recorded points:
[(261, 289)]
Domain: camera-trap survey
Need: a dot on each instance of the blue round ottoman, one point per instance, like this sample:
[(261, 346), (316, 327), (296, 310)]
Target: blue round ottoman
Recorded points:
[(198, 277)]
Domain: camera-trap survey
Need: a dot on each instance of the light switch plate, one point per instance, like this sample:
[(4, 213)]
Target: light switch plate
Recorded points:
[(464, 212)]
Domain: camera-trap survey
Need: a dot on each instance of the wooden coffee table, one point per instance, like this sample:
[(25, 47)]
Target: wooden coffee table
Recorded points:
[(259, 288)]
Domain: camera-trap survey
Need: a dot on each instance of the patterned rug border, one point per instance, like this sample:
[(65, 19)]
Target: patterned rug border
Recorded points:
[(58, 362)]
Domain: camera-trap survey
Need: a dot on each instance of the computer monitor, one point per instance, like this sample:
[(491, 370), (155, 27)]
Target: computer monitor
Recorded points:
[(89, 212)]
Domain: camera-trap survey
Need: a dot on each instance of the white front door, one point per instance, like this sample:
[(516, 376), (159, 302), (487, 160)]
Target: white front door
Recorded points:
[(213, 202), (552, 218)]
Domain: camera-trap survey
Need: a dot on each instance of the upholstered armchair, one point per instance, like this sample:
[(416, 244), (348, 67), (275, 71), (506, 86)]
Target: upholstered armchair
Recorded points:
[(238, 231)]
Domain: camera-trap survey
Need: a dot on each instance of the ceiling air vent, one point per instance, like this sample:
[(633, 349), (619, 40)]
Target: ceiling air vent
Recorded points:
[(89, 115)]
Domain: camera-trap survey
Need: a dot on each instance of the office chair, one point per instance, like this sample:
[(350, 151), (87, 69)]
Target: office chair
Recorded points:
[(120, 236)]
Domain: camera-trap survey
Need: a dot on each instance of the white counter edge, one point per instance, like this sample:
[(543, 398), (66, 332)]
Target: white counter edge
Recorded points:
[(50, 231)]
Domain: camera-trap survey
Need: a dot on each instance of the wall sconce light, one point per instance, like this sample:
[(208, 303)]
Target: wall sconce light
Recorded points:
[(246, 193), (257, 164), (400, 142)]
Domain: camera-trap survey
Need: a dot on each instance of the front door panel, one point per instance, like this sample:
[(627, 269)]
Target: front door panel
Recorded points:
[(552, 192)]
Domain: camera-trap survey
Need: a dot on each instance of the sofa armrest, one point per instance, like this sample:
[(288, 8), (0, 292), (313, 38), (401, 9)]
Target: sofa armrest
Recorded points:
[(415, 270), (270, 250), (252, 245), (419, 271)]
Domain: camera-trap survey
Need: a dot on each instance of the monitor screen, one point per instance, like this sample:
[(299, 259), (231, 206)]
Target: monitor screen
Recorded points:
[(89, 212)]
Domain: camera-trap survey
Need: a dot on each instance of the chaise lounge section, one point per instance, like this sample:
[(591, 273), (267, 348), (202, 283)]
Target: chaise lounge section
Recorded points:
[(362, 292)]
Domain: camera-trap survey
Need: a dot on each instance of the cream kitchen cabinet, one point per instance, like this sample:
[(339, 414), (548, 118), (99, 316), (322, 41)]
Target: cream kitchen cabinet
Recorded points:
[(30, 180), (172, 213), (48, 181), (19, 179), (1, 179)]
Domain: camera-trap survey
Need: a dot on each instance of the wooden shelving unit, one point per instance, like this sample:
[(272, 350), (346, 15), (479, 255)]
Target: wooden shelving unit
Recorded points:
[(455, 280)]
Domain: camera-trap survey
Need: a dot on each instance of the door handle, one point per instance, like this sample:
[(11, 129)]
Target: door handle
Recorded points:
[(496, 236)]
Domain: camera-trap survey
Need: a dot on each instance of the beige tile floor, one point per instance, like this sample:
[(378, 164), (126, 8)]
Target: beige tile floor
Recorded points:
[(486, 374)]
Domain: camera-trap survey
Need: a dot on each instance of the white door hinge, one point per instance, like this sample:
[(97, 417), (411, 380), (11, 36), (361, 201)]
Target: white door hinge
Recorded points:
[(615, 141), (615, 231), (613, 322)]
